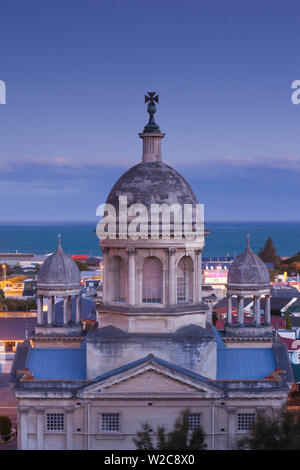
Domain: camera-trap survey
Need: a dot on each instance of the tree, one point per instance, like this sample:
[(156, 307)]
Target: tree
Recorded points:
[(144, 440), (279, 433), (288, 320), (20, 305), (269, 254), (180, 438), (82, 266), (5, 427), (2, 299)]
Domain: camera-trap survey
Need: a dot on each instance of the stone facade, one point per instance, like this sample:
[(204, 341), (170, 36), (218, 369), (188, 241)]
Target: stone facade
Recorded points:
[(150, 391)]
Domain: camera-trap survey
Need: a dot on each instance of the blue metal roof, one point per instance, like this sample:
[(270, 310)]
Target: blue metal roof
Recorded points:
[(245, 363), (232, 363), (57, 363)]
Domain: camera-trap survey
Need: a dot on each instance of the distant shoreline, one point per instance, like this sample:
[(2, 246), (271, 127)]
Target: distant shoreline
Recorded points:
[(225, 238), (87, 222)]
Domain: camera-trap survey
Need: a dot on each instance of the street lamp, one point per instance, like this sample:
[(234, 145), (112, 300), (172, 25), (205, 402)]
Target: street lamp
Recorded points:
[(4, 277)]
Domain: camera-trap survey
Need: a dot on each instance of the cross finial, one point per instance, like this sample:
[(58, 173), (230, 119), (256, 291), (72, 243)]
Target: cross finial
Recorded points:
[(151, 98), (59, 240), (248, 241)]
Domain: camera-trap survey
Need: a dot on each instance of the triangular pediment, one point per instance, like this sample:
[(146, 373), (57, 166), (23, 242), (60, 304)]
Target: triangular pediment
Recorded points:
[(150, 378)]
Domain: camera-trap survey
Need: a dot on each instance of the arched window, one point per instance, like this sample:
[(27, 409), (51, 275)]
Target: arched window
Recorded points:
[(152, 281), (120, 280), (184, 280)]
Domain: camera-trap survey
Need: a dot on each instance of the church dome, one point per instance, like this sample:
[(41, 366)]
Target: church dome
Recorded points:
[(152, 183), (59, 272), (248, 270)]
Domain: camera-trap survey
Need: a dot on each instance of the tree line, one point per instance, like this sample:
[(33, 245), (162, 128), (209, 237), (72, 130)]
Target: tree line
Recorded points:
[(280, 432)]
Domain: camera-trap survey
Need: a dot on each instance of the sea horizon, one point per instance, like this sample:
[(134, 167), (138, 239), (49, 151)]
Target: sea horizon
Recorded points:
[(226, 238)]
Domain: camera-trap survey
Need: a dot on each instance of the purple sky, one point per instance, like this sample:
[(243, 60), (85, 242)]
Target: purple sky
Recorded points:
[(76, 73)]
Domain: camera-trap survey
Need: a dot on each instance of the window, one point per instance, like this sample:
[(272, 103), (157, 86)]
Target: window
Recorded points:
[(185, 280), (245, 421), (110, 422), (10, 346), (118, 280), (121, 281), (55, 421), (152, 280), (181, 281), (194, 420)]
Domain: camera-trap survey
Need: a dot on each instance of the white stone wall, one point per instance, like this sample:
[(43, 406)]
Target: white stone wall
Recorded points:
[(83, 420), (199, 357)]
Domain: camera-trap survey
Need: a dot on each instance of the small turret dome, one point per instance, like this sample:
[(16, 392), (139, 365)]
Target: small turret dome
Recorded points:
[(248, 270), (59, 272)]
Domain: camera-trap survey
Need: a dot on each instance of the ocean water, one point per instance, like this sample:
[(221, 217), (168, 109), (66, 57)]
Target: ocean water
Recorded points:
[(225, 238)]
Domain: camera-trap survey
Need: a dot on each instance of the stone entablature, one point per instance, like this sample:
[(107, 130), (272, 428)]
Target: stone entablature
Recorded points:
[(248, 341), (249, 331), (151, 320)]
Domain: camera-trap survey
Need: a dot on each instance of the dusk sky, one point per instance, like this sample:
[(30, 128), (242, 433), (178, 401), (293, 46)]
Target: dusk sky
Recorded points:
[(76, 73)]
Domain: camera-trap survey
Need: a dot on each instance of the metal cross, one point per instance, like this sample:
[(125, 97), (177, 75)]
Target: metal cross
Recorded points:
[(152, 97)]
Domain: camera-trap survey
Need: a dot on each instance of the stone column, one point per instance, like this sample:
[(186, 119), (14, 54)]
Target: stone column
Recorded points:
[(268, 310), (69, 309), (229, 309), (199, 277), (172, 277), (50, 312), (40, 313), (151, 146), (105, 252), (78, 309), (257, 310), (65, 311), (131, 275), (241, 309), (231, 416), (69, 410), (40, 427), (53, 308), (23, 428)]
